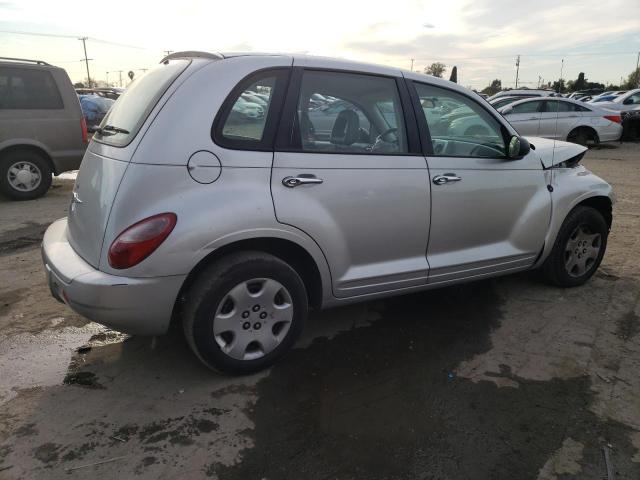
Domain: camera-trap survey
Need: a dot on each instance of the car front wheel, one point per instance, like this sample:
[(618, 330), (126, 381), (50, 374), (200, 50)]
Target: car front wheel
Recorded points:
[(579, 248), (244, 312)]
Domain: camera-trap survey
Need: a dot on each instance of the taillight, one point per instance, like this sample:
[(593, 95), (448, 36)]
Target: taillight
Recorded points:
[(614, 118), (83, 127), (140, 240)]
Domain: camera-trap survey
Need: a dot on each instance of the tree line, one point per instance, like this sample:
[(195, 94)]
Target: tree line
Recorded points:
[(437, 69)]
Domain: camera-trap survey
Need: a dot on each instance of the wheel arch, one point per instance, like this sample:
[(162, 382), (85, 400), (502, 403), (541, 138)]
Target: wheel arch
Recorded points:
[(286, 250), (602, 204), (589, 129), (29, 147)]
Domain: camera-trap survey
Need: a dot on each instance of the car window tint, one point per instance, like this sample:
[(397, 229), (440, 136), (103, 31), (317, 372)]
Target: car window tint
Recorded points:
[(635, 98), (134, 106), (248, 116), (458, 125), (353, 113), (526, 107), (28, 89)]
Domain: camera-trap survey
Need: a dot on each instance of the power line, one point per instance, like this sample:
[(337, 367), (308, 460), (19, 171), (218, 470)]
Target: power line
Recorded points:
[(586, 54), (55, 35)]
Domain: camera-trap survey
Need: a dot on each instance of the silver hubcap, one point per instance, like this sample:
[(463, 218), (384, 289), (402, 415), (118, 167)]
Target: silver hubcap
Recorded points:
[(253, 318), (24, 176), (581, 251)]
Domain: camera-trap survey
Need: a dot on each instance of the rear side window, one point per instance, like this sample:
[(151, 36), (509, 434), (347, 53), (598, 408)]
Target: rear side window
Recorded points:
[(247, 120), (128, 114), (358, 113), (28, 89), (556, 106)]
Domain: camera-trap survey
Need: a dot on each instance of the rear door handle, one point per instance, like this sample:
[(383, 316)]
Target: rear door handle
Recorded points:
[(302, 179), (446, 178)]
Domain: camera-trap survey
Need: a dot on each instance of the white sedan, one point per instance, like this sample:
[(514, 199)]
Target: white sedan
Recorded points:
[(564, 119), (624, 102)]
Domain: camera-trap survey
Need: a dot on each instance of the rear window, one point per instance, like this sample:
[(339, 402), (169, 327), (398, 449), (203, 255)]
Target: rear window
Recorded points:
[(28, 89), (133, 107)]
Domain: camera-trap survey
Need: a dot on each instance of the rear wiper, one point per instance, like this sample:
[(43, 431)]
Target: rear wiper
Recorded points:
[(111, 130)]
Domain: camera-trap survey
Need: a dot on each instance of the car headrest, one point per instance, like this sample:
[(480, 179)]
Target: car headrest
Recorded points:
[(346, 128)]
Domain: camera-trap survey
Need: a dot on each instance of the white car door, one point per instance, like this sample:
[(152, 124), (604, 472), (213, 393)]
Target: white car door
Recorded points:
[(524, 116), (558, 118)]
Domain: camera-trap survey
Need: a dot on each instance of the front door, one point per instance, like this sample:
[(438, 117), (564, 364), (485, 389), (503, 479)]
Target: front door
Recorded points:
[(352, 181), (489, 214)]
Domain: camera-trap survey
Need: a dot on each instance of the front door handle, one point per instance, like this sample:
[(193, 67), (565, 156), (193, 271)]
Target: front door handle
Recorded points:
[(446, 178), (302, 179)]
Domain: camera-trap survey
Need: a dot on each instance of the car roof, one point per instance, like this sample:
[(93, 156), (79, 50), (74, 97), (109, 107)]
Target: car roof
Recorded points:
[(313, 61)]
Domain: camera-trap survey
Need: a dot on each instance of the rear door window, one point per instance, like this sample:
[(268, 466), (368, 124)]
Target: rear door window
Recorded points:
[(28, 89), (128, 114), (350, 113)]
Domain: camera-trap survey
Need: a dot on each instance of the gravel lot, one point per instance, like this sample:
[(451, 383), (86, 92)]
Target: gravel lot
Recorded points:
[(500, 379)]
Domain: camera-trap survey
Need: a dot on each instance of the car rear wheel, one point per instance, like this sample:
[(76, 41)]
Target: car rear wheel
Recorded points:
[(583, 136), (244, 312), (24, 175), (579, 248)]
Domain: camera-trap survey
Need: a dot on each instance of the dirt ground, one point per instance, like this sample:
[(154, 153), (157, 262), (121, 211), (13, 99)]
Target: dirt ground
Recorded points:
[(500, 379)]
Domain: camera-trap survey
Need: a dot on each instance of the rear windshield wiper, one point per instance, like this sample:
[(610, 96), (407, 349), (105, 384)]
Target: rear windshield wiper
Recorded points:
[(111, 130)]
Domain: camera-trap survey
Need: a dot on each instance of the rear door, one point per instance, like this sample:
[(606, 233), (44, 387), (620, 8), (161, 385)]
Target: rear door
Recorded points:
[(489, 214), (558, 118), (355, 181), (525, 117)]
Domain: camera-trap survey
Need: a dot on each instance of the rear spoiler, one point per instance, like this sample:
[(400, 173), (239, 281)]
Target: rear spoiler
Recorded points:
[(192, 54)]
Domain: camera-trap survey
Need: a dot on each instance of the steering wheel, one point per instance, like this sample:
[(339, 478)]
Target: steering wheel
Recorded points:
[(380, 138)]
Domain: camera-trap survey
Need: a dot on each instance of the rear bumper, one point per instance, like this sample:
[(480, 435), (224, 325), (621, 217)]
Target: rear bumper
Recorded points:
[(611, 133), (141, 306)]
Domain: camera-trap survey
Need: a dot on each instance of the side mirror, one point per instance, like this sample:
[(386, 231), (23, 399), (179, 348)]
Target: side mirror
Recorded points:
[(518, 147)]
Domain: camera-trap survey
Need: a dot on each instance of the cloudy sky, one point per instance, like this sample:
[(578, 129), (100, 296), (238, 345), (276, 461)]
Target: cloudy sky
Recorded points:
[(481, 37)]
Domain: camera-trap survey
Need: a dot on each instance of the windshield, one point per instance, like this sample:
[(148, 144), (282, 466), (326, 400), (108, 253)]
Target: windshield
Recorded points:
[(133, 107)]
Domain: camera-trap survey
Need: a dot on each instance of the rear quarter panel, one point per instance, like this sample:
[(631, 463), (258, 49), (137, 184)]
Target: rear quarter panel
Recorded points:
[(237, 206)]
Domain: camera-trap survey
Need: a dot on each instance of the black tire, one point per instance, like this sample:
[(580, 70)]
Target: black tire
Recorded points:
[(32, 158), (554, 267), (211, 288), (582, 135)]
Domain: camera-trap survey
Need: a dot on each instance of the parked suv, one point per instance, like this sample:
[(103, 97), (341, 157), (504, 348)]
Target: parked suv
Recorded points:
[(235, 225), (42, 130)]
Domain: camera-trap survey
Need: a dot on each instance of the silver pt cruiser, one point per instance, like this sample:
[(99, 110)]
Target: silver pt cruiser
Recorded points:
[(234, 192)]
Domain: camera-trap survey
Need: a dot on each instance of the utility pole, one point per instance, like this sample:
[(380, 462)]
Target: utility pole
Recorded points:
[(517, 69), (539, 80), (86, 60), (412, 64), (120, 76), (638, 73), (108, 85), (168, 52), (143, 70)]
